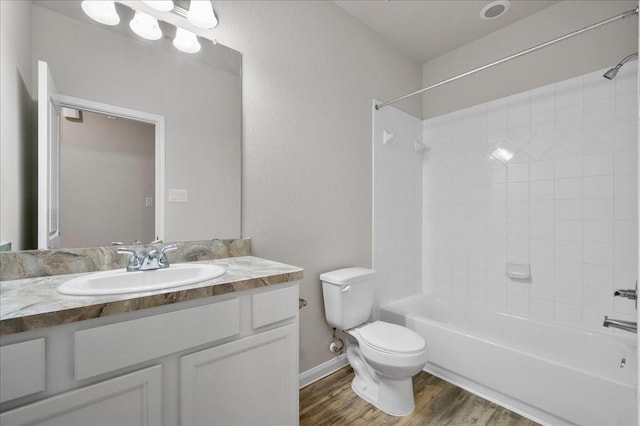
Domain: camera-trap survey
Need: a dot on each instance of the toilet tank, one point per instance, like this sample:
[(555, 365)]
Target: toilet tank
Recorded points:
[(348, 296)]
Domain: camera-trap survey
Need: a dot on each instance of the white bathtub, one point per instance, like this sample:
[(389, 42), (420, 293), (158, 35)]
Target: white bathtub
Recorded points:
[(549, 373)]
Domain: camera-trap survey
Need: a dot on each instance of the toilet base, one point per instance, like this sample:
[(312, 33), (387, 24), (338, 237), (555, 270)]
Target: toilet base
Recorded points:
[(394, 397)]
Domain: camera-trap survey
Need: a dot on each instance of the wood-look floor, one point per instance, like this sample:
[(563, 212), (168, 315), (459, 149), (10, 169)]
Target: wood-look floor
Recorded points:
[(331, 401)]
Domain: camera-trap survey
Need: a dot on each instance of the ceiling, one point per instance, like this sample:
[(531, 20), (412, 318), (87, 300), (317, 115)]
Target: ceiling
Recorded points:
[(427, 29)]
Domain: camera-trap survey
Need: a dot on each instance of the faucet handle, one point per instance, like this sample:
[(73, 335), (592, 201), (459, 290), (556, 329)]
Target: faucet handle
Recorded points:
[(629, 294), (163, 261), (134, 260), (170, 247)]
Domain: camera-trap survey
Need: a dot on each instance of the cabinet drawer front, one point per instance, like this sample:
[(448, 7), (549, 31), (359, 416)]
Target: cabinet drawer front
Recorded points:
[(132, 399), (273, 306), (21, 369), (103, 349)]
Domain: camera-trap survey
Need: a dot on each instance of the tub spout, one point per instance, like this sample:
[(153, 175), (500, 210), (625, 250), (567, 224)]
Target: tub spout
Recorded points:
[(629, 326)]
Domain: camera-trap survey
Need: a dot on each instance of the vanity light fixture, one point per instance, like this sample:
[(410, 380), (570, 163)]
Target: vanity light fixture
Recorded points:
[(101, 11), (146, 26), (186, 41), (201, 14), (161, 5)]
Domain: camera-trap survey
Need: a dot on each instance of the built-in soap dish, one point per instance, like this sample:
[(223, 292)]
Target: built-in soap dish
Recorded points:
[(519, 271)]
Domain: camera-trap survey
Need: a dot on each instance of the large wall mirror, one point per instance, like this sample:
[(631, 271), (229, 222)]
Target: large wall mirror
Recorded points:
[(196, 96)]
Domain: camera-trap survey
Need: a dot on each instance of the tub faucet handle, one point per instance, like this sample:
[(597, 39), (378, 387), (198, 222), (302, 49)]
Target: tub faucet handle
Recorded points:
[(629, 294)]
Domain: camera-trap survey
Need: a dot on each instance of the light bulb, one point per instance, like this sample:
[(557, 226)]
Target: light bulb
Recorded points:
[(201, 14), (101, 11), (146, 26), (161, 5), (186, 41)]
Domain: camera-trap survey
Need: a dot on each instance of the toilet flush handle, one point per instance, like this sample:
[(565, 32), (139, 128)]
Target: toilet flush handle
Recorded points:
[(346, 288)]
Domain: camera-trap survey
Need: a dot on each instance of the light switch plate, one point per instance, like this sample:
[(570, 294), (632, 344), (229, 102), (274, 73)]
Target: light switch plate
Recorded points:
[(178, 196)]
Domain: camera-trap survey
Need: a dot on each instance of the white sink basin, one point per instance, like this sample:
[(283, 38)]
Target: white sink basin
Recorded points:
[(121, 281)]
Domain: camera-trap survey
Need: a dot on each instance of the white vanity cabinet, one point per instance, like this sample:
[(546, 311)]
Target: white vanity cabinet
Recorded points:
[(253, 378), (223, 360), (131, 399)]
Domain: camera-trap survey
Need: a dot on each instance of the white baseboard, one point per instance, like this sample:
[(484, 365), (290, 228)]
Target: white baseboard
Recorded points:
[(322, 370)]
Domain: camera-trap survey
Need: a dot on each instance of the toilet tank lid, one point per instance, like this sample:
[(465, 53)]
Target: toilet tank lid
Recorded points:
[(347, 275)]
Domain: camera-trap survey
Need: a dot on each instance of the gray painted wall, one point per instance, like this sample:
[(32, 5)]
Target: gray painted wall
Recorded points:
[(18, 187), (310, 74), (599, 48)]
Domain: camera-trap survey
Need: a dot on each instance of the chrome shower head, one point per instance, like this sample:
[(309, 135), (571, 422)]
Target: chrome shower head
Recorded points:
[(614, 71), (611, 73)]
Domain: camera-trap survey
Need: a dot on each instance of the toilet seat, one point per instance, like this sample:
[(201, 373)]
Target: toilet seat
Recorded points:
[(392, 338), (391, 344)]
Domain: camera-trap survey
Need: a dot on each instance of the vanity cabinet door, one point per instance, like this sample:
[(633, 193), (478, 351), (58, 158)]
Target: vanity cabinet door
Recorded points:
[(132, 399), (22, 369), (251, 381)]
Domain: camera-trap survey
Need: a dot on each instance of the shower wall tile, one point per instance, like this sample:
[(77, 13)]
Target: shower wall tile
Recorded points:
[(398, 256), (548, 177)]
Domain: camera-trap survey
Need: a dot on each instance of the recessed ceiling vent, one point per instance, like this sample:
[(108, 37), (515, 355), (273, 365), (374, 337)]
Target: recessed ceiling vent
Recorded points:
[(495, 9)]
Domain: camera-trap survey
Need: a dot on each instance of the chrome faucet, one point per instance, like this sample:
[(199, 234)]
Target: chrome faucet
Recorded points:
[(147, 260), (629, 326)]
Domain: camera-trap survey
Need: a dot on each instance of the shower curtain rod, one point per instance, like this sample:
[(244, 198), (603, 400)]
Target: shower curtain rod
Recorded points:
[(516, 55)]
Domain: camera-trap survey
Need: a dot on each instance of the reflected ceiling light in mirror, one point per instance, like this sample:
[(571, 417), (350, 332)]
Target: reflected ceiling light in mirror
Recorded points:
[(186, 41), (201, 14), (146, 26), (161, 5), (101, 11)]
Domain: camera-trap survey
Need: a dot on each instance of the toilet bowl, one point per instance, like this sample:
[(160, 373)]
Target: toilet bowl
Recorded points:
[(384, 356), (394, 351)]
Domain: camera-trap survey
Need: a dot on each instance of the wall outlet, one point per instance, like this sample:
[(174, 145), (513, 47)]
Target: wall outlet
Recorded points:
[(178, 196), (148, 202)]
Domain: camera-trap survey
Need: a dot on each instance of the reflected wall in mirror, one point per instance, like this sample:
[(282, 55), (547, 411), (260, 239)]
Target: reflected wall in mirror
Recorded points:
[(100, 155), (199, 96)]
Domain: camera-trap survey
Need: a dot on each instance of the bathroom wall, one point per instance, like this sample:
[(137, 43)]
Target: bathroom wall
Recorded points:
[(17, 186), (546, 177), (599, 48), (310, 72), (397, 204)]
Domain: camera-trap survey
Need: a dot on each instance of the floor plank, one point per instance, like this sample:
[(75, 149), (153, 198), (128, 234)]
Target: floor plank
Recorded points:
[(331, 401)]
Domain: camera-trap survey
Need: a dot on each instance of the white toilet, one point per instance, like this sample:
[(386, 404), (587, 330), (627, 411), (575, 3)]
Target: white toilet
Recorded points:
[(384, 356)]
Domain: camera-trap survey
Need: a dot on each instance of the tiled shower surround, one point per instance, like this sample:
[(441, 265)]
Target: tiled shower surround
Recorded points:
[(546, 177), (397, 210)]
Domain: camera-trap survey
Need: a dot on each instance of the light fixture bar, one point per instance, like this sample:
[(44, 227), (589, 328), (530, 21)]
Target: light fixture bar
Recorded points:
[(177, 17), (180, 11)]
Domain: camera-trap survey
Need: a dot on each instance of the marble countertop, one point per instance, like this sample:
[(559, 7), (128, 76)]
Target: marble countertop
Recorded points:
[(33, 303)]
